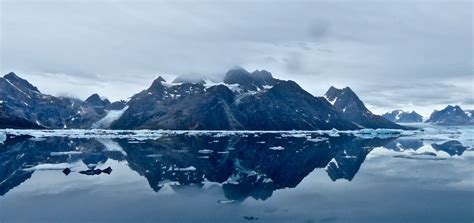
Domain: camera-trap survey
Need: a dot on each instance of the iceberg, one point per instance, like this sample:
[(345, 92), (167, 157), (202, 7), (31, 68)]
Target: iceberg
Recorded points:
[(277, 148)]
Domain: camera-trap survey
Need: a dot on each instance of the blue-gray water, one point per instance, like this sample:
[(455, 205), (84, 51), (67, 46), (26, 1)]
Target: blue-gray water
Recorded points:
[(253, 177)]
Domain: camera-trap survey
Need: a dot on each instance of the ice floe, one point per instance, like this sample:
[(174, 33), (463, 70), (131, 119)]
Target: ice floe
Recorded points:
[(65, 153), (317, 135), (205, 151), (50, 166), (277, 148), (3, 137)]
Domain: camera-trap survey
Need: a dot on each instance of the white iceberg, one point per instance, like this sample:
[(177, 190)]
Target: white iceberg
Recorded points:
[(277, 148)]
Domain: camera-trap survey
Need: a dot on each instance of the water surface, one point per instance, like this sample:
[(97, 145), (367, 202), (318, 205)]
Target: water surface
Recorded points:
[(252, 177)]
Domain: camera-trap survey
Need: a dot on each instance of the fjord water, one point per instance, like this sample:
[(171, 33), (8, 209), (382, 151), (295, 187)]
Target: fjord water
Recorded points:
[(251, 177)]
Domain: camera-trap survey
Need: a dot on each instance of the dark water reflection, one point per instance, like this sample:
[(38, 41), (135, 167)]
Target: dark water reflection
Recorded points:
[(255, 177)]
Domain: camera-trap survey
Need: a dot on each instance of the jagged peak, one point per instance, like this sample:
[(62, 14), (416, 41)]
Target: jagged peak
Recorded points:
[(161, 79), (453, 107), (332, 88), (19, 82), (97, 100), (334, 92), (94, 97), (262, 73), (10, 75), (157, 83)]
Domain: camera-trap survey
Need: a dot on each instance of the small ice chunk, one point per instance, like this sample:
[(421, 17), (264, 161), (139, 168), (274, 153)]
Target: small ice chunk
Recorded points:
[(49, 166), (317, 139), (277, 148), (65, 153), (226, 201), (189, 168)]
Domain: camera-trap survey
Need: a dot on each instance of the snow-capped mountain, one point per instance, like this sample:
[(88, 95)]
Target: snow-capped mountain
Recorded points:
[(403, 116), (24, 106), (242, 101), (353, 109), (451, 115), (252, 101)]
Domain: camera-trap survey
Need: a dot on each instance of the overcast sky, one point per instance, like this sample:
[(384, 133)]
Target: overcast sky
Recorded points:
[(404, 54)]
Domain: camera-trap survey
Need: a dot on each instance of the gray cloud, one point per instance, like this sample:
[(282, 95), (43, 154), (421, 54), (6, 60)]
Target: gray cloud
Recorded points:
[(394, 53)]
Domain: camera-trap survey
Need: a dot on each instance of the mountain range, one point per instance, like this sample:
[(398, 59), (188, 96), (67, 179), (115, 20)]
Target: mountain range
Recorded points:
[(400, 116), (242, 101), (451, 115)]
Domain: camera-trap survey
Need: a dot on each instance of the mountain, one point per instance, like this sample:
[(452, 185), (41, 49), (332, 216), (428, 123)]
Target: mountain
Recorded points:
[(451, 115), (96, 101), (22, 105), (244, 101), (403, 116), (195, 78), (353, 109), (469, 113)]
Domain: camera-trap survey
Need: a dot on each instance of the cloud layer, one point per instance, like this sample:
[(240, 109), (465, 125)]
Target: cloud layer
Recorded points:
[(395, 54)]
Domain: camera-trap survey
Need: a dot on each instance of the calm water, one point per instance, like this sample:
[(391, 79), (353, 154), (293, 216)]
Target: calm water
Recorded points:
[(251, 177)]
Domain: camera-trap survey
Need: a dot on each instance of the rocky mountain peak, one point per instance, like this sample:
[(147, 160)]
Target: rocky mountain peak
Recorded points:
[(347, 102), (96, 100), (450, 115), (401, 116), (157, 85), (20, 82)]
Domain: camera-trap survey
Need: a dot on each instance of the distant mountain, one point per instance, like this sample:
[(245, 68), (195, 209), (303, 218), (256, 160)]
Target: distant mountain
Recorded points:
[(96, 101), (22, 105), (403, 116), (353, 109), (451, 115), (252, 101)]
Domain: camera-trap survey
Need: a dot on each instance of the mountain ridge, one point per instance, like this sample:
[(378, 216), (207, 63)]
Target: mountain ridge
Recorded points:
[(242, 101)]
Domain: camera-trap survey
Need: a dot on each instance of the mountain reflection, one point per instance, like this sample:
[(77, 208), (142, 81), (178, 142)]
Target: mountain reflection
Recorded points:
[(252, 165)]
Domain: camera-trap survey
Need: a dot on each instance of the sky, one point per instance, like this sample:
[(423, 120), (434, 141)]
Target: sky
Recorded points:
[(405, 54)]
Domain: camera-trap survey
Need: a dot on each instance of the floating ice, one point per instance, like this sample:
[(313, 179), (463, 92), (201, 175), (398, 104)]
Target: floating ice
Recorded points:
[(226, 201), (3, 137), (379, 133), (189, 168), (138, 135), (49, 166), (277, 148), (317, 139), (205, 151), (65, 153)]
